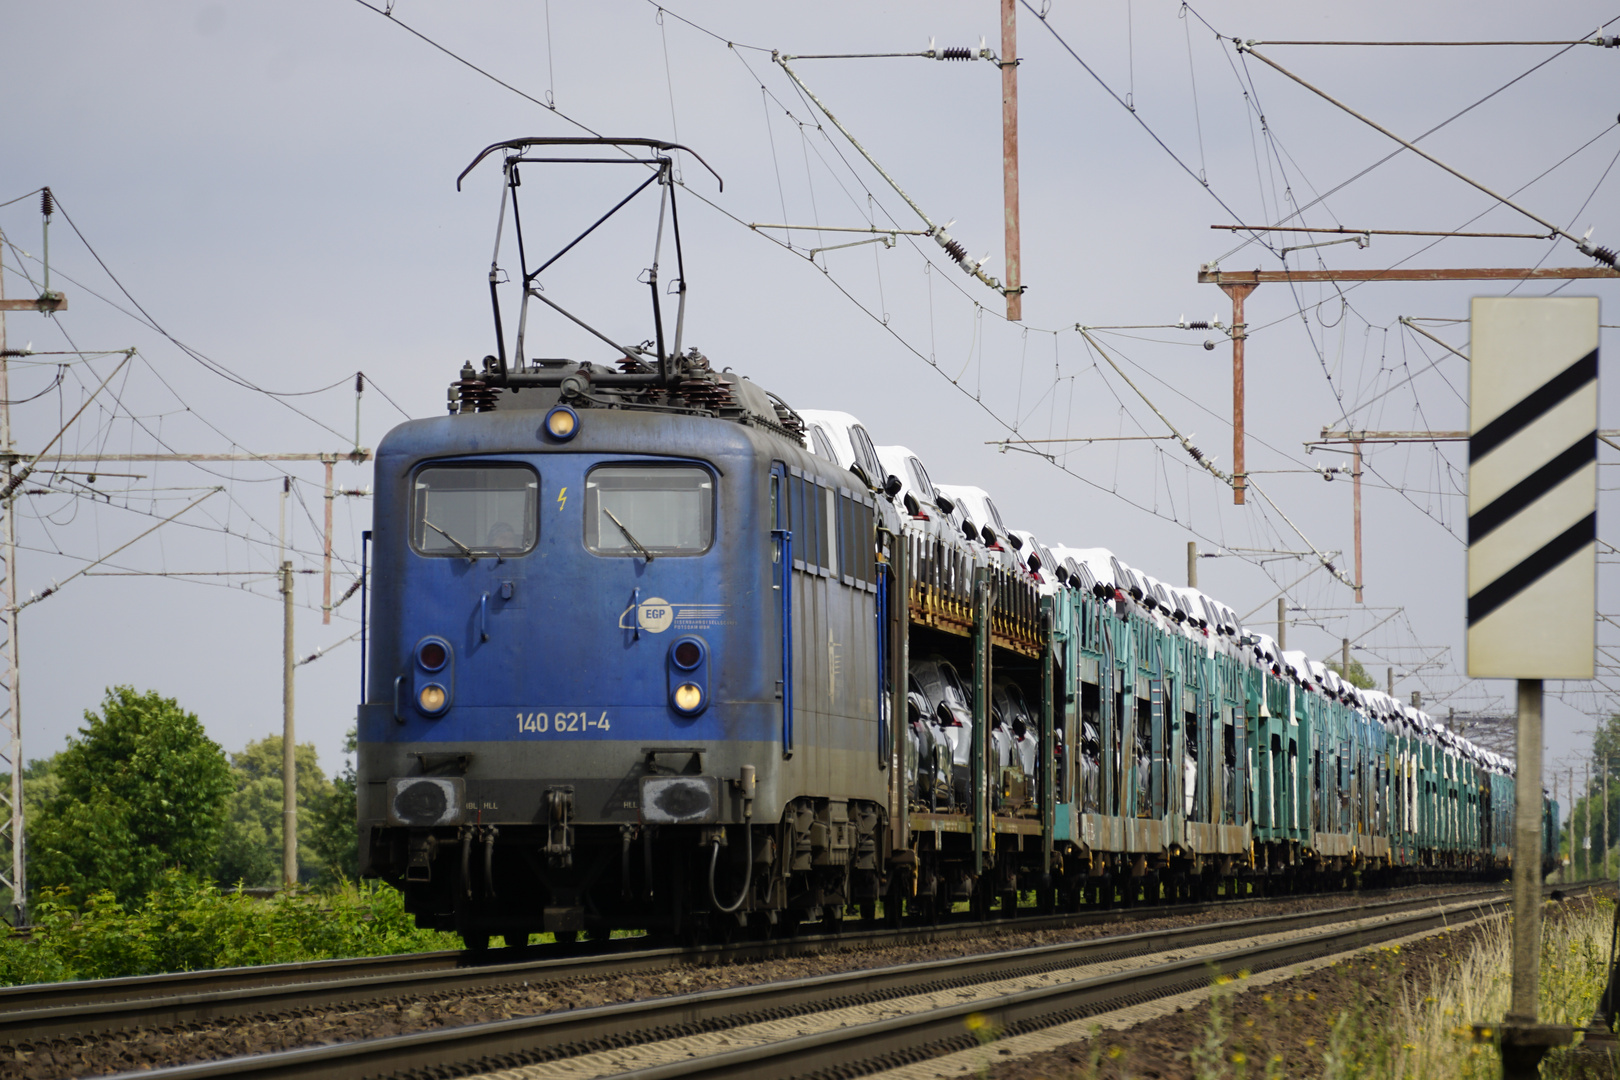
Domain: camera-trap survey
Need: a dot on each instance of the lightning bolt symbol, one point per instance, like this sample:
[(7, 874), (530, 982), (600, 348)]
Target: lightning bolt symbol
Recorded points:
[(562, 498)]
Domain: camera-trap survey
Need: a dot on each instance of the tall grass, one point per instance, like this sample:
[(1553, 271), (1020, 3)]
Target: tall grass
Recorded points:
[(1393, 1030), (1430, 1037)]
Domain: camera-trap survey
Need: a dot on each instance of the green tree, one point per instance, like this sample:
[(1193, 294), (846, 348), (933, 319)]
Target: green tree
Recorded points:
[(139, 790), (334, 843), (250, 843), (1358, 676)]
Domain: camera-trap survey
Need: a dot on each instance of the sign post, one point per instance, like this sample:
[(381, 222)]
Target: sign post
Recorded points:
[(1532, 569)]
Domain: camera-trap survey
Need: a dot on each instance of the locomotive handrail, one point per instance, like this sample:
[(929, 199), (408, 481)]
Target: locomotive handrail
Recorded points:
[(883, 663), (785, 537)]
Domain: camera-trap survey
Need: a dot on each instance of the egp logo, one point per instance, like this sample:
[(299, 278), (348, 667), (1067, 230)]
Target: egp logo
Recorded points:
[(655, 615)]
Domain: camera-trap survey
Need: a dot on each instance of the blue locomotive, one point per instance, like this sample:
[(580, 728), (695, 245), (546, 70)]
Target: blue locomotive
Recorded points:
[(643, 652)]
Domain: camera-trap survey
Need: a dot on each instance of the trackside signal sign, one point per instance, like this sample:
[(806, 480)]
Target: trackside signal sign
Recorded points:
[(1532, 488)]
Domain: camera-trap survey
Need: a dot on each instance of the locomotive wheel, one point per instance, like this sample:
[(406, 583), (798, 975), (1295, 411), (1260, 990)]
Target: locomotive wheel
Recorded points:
[(475, 942), (515, 939)]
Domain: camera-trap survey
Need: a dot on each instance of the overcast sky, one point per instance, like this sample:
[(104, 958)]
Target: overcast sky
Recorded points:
[(274, 186)]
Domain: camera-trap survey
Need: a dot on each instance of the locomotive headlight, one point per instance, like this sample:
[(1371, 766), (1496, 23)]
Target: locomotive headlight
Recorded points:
[(688, 698), (433, 698), (562, 423)]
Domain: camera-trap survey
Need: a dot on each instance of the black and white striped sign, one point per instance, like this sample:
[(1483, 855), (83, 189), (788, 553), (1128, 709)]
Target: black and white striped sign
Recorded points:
[(1532, 488)]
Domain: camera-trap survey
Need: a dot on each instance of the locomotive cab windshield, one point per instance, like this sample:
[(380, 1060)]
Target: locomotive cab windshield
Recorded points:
[(471, 510), (658, 509)]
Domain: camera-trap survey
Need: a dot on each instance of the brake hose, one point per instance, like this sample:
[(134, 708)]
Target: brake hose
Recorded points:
[(714, 863)]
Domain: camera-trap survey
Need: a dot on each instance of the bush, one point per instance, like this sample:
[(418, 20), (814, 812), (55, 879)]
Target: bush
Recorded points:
[(187, 924)]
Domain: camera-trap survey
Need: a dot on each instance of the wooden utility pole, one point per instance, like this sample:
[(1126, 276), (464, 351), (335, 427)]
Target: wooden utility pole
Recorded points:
[(1569, 795), (289, 742), (1009, 156), (289, 762), (1282, 624), (1240, 334), (1192, 564), (1355, 477), (326, 578), (1586, 828)]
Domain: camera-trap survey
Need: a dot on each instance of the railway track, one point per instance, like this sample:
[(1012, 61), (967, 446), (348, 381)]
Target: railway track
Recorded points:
[(885, 1015), (88, 1007)]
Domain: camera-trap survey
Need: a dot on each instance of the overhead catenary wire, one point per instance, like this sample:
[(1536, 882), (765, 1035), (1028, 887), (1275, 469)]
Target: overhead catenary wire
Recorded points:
[(1601, 41), (1387, 232), (118, 408), (1607, 129), (1601, 254), (952, 248), (141, 318), (877, 318), (55, 587), (1396, 153), (209, 364), (1186, 443), (1130, 108)]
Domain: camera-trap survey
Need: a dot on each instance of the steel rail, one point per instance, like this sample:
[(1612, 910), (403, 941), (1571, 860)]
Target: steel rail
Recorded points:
[(215, 980), (550, 1036), (80, 1008)]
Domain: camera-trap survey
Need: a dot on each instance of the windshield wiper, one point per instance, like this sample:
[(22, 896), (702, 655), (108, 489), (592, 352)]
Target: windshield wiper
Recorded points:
[(645, 554), (465, 550)]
